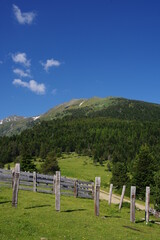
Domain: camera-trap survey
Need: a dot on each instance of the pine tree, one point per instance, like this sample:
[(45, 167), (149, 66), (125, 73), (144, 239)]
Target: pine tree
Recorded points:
[(27, 164), (156, 191), (50, 166), (143, 170), (119, 175)]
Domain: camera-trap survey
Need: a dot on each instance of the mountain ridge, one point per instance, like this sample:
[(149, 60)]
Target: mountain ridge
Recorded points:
[(110, 107)]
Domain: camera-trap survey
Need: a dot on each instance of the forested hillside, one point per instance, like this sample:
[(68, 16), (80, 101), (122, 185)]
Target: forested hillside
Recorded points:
[(99, 137), (131, 147)]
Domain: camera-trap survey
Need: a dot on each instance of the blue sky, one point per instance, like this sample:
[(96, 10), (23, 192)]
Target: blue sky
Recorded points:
[(55, 50)]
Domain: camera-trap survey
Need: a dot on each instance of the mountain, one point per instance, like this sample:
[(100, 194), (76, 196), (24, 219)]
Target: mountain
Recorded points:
[(15, 125), (110, 107)]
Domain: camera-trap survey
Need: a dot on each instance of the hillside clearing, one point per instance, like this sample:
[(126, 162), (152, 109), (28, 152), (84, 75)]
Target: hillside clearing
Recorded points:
[(82, 167)]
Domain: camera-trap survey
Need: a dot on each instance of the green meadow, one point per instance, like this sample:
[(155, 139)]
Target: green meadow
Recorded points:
[(82, 167), (35, 218)]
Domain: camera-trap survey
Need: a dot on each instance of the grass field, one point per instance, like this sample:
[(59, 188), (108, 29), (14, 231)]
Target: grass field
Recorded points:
[(35, 219), (82, 167)]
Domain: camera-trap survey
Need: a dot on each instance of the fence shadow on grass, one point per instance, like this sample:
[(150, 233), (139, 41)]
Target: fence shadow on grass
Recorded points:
[(111, 216), (140, 221), (38, 206), (131, 228), (5, 202), (74, 210)]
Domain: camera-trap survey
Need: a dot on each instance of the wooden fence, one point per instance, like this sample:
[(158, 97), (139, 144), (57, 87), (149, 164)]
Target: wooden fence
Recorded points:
[(148, 210), (59, 185), (46, 184), (5, 178)]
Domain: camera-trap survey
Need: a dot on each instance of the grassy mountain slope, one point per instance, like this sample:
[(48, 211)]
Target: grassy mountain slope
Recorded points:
[(119, 108), (78, 107), (16, 127)]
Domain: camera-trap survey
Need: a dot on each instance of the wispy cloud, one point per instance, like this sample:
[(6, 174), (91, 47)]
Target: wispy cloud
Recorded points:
[(31, 85), (23, 18), (22, 73), (50, 63), (21, 58), (1, 62), (54, 91)]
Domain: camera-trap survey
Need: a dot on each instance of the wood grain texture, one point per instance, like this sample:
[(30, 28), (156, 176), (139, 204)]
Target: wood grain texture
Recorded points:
[(110, 194), (147, 204), (132, 203), (16, 185), (122, 196), (57, 191), (97, 195)]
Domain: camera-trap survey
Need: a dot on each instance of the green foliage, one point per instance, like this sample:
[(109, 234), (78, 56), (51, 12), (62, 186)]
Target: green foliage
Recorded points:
[(109, 167), (98, 137), (143, 170), (156, 191), (50, 166), (27, 164), (119, 175)]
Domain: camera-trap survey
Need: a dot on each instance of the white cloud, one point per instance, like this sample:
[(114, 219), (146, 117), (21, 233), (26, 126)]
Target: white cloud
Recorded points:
[(50, 63), (1, 62), (22, 73), (31, 85), (21, 58), (23, 18)]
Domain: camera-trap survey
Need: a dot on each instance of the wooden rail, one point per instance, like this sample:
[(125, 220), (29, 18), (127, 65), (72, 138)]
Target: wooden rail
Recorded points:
[(60, 185), (46, 184)]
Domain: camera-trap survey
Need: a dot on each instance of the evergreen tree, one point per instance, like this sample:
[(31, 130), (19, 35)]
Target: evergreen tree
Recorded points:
[(26, 164), (156, 191), (119, 175), (50, 166), (144, 166)]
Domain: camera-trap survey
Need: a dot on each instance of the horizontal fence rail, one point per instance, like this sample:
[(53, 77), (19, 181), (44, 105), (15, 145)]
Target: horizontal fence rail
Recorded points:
[(5, 178), (154, 212), (60, 185), (46, 184)]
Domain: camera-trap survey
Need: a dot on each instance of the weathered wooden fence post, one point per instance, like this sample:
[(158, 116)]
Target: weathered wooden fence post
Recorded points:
[(13, 176), (34, 182), (93, 190), (132, 204), (97, 195), (76, 188), (16, 185), (122, 196), (147, 204), (110, 194), (57, 191), (54, 182)]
